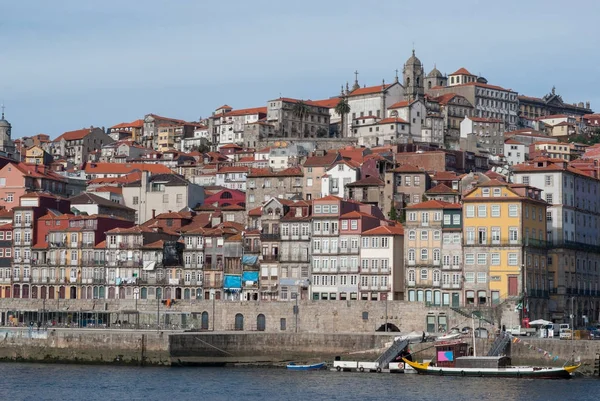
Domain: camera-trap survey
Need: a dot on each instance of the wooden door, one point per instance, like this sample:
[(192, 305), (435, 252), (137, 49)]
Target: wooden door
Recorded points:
[(513, 286)]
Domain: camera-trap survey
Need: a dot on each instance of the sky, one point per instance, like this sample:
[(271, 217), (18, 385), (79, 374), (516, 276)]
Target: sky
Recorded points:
[(69, 64)]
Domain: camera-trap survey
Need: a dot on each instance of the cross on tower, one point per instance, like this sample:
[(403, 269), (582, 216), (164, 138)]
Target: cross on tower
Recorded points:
[(2, 111)]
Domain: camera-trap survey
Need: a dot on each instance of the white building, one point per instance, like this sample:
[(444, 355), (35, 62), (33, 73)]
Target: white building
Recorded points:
[(515, 152), (231, 124), (335, 179), (414, 112), (232, 177), (371, 101), (201, 136)]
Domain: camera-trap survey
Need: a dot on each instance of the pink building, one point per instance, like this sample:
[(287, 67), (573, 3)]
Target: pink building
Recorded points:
[(17, 179)]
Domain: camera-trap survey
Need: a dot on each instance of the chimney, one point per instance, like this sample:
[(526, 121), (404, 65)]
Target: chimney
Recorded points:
[(153, 213)]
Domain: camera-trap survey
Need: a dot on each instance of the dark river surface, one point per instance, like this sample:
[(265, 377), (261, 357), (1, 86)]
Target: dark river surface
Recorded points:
[(78, 382)]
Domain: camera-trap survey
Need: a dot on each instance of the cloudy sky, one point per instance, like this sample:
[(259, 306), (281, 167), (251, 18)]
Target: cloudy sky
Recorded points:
[(70, 64)]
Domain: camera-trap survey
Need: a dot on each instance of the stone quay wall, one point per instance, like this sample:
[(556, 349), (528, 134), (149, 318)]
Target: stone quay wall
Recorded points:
[(313, 316), (84, 346)]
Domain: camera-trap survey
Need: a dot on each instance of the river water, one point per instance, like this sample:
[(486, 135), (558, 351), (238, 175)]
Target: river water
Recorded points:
[(78, 382)]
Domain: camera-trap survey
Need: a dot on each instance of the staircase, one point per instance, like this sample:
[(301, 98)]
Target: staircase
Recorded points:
[(473, 313), (391, 353), (499, 345)]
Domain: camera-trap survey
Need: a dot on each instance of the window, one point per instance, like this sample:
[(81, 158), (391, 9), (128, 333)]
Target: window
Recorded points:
[(424, 254), (412, 216), (513, 234), (470, 211), (437, 235), (354, 224), (482, 211), (495, 211), (513, 259), (411, 255), (10, 197), (469, 258), (425, 218), (179, 198), (446, 259), (136, 200), (437, 216), (548, 180), (470, 277), (497, 192), (424, 235), (482, 258), (165, 198), (513, 211), (470, 235), (344, 224), (549, 198), (456, 260), (482, 277), (424, 274), (482, 236), (447, 219)]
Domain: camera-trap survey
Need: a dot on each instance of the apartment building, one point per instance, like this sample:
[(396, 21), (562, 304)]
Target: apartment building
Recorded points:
[(505, 247)]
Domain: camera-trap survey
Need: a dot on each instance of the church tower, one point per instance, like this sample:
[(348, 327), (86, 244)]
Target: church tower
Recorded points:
[(6, 143), (414, 87)]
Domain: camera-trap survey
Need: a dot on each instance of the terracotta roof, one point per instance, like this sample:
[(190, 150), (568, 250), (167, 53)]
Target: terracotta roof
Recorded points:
[(445, 176), (441, 189), (160, 244), (401, 104), (512, 142), (101, 245), (231, 145), (232, 169), (408, 168), (386, 230), (37, 171), (245, 112), (133, 124), (267, 172), (367, 182), (107, 188), (369, 90), (321, 161), (391, 120), (7, 226), (461, 71), (125, 168), (552, 116), (74, 135), (435, 204), (355, 215), (257, 211), (225, 106), (131, 177), (330, 103)]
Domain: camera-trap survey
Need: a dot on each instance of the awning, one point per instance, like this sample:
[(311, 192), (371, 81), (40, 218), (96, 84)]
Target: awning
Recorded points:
[(148, 265), (232, 282), (250, 276), (250, 260)]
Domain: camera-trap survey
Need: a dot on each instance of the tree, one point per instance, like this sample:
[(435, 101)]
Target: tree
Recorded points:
[(342, 108), (301, 110), (393, 214)]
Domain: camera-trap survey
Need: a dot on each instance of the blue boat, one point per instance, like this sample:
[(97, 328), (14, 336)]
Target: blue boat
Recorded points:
[(314, 366)]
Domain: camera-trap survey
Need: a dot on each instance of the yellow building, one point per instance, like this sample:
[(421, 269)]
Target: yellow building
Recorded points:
[(504, 246), (37, 155)]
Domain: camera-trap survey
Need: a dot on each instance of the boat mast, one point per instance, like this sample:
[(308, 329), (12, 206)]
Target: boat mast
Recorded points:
[(473, 325)]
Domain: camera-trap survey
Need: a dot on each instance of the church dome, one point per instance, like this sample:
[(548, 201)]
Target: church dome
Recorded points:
[(413, 60), (435, 73), (4, 123)]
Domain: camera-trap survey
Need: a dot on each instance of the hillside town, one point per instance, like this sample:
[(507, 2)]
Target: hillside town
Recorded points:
[(440, 189)]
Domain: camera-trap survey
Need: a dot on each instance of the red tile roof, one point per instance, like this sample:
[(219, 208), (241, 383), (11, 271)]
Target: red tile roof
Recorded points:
[(435, 204), (386, 230), (267, 172), (552, 116), (245, 112), (321, 161), (369, 90), (441, 189), (401, 104), (327, 103), (107, 188), (367, 182), (133, 124), (74, 135), (125, 168), (461, 71), (232, 169), (391, 120), (511, 141)]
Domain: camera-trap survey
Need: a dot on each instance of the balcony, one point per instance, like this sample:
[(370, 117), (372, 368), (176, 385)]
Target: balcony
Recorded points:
[(213, 284), (270, 237), (130, 263), (175, 281), (87, 244), (57, 244), (129, 245), (72, 279), (270, 258), (411, 283), (210, 266)]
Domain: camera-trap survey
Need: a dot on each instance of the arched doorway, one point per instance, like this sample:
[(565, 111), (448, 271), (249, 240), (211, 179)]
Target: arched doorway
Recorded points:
[(111, 293), (260, 322), (186, 293), (121, 292), (73, 292), (178, 293), (16, 291), (89, 293), (168, 293), (239, 322), (159, 293), (43, 292), (51, 292), (144, 293), (25, 291), (7, 292), (204, 321), (34, 292), (61, 292)]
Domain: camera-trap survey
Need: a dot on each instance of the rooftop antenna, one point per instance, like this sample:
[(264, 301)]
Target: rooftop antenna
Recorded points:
[(2, 110)]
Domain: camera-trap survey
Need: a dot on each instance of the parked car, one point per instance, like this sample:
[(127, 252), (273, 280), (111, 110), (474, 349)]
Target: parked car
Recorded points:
[(566, 334), (595, 335)]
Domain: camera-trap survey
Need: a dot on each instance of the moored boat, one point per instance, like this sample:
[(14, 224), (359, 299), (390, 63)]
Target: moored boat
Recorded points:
[(314, 366), (452, 360)]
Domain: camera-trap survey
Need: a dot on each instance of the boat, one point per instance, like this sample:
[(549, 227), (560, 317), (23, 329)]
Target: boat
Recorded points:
[(453, 359), (314, 366)]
